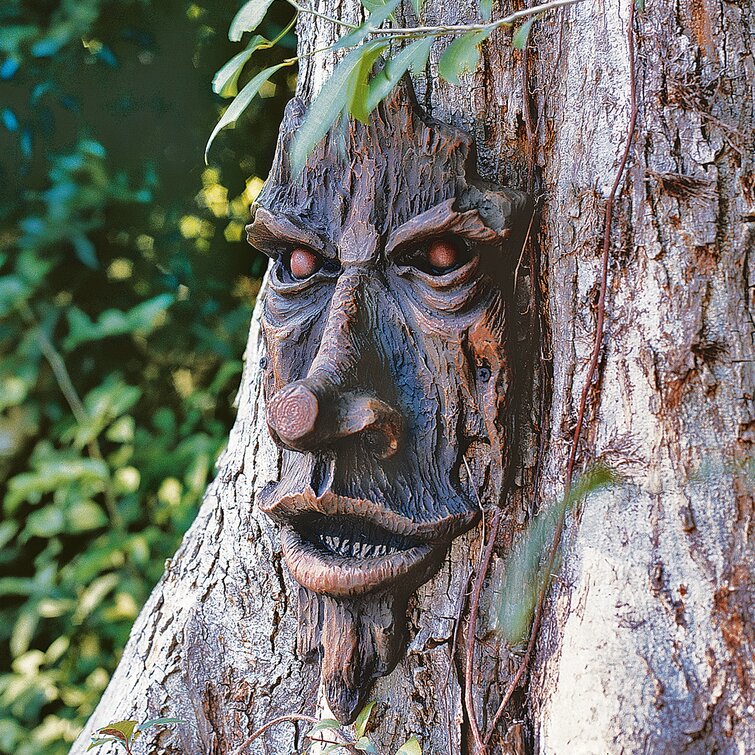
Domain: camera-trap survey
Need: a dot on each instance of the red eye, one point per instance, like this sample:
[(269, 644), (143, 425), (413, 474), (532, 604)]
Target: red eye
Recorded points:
[(442, 254), (304, 263)]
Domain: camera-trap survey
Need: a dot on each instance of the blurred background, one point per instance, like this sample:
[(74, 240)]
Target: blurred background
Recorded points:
[(125, 297)]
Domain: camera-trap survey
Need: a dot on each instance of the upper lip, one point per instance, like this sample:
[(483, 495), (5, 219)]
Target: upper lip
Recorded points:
[(344, 546)]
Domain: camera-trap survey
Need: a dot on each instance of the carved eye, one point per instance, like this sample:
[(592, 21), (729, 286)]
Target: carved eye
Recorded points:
[(438, 256), (443, 255), (304, 262)]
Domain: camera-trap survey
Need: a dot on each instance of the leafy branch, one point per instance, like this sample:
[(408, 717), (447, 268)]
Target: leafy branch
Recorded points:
[(125, 733), (354, 88), (351, 739), (80, 414), (489, 27)]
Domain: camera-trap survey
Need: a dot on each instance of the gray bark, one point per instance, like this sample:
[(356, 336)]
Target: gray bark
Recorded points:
[(645, 642)]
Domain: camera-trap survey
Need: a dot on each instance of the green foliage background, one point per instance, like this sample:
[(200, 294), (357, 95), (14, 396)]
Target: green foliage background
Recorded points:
[(125, 298)]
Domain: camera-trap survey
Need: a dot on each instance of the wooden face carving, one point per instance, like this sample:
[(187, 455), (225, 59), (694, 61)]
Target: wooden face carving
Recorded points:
[(387, 383)]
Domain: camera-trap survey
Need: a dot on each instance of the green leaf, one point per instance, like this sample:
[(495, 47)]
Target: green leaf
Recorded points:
[(226, 79), (84, 515), (365, 745), (90, 598), (142, 318), (524, 575), (372, 5), (47, 522), (8, 531), (418, 6), (23, 632), (522, 34), (240, 103), (248, 18), (375, 20), (13, 290), (119, 729), (85, 251), (326, 107), (413, 57), (410, 747), (53, 475), (325, 723), (486, 9), (160, 722), (357, 88), (360, 725), (461, 56), (98, 742)]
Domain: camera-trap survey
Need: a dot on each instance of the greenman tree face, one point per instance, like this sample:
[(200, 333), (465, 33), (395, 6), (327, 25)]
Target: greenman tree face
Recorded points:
[(387, 378)]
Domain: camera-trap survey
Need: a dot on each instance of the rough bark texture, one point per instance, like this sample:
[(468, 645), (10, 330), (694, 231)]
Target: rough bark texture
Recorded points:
[(645, 642)]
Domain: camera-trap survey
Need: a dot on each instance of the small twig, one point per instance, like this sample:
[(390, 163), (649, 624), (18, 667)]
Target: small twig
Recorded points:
[(599, 328), (474, 606), (317, 14), (292, 717), (464, 28), (285, 30), (524, 245), (392, 34), (348, 746)]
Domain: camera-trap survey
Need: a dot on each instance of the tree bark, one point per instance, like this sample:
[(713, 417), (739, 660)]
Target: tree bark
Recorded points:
[(644, 645)]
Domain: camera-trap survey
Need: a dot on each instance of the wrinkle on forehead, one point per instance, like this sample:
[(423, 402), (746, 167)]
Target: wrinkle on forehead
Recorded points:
[(443, 219), (381, 174), (267, 229)]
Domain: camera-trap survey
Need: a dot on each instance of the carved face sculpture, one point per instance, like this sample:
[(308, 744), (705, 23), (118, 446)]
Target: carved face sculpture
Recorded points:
[(386, 378)]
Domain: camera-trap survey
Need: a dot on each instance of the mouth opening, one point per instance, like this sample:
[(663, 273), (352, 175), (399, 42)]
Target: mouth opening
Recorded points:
[(351, 536)]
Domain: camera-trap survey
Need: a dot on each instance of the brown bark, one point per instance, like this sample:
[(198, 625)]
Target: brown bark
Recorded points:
[(645, 642)]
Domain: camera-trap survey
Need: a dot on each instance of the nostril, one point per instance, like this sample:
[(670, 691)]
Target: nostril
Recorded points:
[(292, 413), (379, 442)]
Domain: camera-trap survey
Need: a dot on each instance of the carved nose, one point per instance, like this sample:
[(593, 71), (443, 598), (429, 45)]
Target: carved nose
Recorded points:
[(292, 414), (307, 419)]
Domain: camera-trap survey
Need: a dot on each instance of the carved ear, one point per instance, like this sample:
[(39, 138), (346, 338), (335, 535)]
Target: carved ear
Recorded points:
[(507, 211)]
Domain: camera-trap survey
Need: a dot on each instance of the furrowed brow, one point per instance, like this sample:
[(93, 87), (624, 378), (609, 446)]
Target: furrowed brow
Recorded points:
[(268, 231), (441, 220)]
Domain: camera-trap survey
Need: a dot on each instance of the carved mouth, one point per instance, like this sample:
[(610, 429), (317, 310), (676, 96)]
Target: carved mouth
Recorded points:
[(345, 556), (351, 537), (346, 547)]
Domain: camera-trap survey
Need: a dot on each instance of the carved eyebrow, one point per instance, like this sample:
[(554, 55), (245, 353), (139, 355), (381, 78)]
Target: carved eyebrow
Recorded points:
[(440, 220), (267, 231)]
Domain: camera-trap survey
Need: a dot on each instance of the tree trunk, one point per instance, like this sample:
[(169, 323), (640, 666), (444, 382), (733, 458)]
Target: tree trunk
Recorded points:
[(644, 644)]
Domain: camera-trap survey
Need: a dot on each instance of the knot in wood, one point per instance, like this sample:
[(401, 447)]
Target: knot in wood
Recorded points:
[(293, 413)]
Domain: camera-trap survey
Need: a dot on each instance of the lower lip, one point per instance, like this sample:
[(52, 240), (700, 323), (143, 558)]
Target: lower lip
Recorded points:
[(339, 576)]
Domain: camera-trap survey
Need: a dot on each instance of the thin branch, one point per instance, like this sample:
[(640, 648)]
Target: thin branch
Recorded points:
[(463, 28), (591, 370), (293, 717), (67, 388), (285, 30), (474, 608), (317, 14), (392, 34), (348, 746)]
